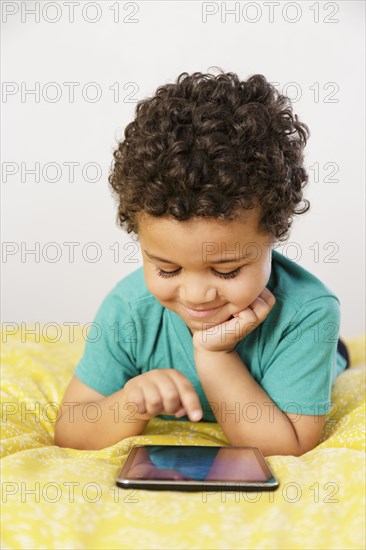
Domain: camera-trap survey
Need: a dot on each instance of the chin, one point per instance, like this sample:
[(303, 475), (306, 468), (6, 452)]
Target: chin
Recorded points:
[(207, 323)]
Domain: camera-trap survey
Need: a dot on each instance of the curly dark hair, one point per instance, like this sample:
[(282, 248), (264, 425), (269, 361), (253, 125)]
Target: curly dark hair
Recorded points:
[(211, 146)]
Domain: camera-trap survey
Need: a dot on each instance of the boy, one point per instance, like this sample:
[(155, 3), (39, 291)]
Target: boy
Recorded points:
[(216, 326)]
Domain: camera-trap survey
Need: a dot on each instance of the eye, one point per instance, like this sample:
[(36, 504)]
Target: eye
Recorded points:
[(230, 275), (168, 274)]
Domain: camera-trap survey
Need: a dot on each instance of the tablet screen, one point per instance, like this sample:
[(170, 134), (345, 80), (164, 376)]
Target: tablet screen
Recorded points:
[(200, 463)]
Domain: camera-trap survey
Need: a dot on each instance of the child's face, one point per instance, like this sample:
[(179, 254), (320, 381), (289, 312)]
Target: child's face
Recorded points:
[(193, 249)]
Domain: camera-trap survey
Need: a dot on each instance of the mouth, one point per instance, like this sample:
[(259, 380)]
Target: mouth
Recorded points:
[(198, 313)]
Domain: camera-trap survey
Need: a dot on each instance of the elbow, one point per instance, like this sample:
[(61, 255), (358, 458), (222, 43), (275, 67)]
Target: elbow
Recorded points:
[(276, 451), (57, 437), (63, 440), (301, 450), (293, 449), (60, 440), (296, 450), (66, 442), (75, 441), (273, 448)]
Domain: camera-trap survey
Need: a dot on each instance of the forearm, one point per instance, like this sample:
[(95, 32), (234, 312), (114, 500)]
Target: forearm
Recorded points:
[(245, 412), (96, 425)]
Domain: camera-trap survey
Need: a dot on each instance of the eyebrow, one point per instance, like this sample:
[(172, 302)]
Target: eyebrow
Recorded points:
[(236, 260)]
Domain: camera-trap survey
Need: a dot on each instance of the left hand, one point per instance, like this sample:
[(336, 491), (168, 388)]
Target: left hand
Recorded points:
[(225, 336)]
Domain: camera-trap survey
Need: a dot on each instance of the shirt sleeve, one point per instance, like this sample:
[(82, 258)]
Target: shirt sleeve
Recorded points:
[(108, 359), (299, 373)]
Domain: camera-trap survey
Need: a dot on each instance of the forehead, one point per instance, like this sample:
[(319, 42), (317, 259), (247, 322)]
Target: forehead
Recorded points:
[(166, 237), (247, 220)]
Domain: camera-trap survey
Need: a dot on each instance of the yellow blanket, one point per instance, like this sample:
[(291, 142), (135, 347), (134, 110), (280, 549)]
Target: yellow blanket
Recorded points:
[(59, 498)]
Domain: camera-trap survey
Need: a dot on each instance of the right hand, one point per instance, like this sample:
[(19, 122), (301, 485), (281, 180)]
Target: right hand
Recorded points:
[(162, 391)]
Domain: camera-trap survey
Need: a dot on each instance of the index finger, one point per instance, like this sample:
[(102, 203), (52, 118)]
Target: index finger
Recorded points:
[(189, 398)]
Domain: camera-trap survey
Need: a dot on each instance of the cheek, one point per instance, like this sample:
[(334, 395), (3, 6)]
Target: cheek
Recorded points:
[(240, 293), (162, 289), (248, 286)]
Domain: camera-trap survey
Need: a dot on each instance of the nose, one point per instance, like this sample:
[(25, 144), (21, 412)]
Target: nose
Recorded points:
[(196, 292)]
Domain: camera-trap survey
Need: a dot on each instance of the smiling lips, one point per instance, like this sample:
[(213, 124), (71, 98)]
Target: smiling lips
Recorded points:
[(200, 313)]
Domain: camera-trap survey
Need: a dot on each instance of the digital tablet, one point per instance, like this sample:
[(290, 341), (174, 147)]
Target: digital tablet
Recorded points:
[(196, 468)]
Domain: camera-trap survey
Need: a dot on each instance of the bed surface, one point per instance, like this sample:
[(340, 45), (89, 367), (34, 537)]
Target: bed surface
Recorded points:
[(59, 498)]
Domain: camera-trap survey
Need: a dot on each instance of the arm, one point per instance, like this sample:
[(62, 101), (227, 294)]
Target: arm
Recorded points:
[(102, 424), (91, 421), (228, 383)]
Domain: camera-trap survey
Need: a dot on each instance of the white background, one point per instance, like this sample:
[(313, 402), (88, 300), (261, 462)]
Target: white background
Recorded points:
[(318, 63)]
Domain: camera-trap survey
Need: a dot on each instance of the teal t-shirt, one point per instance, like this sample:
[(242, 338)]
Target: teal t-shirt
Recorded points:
[(292, 354)]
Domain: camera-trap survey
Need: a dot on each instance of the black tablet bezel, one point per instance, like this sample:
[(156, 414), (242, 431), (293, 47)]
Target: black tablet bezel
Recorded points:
[(171, 485)]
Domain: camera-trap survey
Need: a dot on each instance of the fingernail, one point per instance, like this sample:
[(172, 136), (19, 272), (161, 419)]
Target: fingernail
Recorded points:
[(196, 415)]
